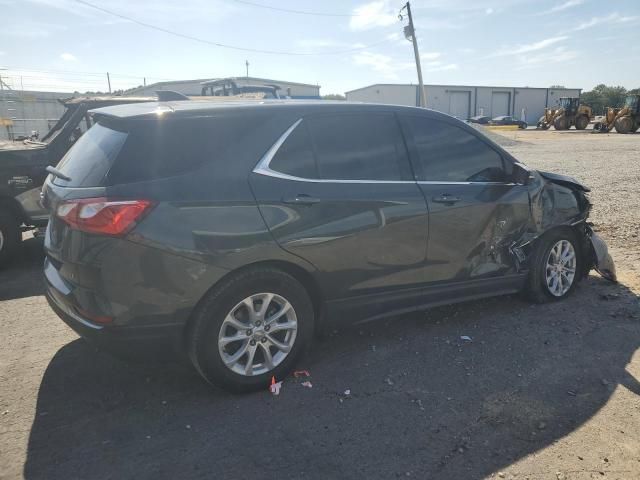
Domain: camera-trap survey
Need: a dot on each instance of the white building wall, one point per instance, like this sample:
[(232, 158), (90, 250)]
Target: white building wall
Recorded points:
[(490, 101), (30, 110), (385, 94)]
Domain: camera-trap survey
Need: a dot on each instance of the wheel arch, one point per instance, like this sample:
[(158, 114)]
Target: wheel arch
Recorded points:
[(299, 273), (11, 205), (578, 231)]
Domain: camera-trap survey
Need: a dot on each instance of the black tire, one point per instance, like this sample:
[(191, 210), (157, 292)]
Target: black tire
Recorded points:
[(624, 125), (523, 126), (561, 123), (582, 122), (202, 337), (537, 290), (9, 237)]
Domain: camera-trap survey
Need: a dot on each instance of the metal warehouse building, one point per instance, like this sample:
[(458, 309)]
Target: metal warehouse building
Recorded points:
[(466, 101), (194, 87), (29, 110)]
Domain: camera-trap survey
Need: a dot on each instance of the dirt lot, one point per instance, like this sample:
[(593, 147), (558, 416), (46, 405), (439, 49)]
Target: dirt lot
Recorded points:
[(541, 392)]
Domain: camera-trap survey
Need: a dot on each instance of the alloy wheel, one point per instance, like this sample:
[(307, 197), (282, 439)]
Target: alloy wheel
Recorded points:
[(560, 268), (257, 334)]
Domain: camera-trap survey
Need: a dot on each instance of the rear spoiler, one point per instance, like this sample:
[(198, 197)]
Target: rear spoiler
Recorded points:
[(170, 95)]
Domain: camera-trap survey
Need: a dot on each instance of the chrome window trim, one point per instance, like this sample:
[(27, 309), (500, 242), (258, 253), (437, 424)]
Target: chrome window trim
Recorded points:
[(263, 168)]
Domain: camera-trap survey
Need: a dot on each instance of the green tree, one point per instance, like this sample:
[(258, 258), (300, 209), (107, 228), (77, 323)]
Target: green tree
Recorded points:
[(334, 96), (603, 96)]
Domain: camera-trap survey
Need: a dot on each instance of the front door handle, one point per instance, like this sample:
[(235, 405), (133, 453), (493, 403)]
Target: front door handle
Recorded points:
[(446, 199), (301, 199)]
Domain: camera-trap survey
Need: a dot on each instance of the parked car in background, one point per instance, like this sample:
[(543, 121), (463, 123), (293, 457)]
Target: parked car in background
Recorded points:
[(507, 120), (233, 231), (23, 164), (481, 119)]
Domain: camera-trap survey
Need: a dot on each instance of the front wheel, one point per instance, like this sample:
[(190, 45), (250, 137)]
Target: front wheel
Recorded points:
[(582, 122), (254, 326), (555, 267)]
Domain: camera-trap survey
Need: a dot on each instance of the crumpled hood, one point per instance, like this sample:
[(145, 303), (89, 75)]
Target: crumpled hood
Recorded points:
[(564, 180)]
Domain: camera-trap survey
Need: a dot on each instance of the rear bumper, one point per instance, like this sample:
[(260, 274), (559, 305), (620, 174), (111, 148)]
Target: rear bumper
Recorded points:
[(128, 341)]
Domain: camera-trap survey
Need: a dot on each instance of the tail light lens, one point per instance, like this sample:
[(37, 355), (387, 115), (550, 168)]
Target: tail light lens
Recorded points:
[(103, 216)]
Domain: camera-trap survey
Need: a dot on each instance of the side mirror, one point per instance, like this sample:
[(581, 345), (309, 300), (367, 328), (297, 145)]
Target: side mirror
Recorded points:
[(521, 174)]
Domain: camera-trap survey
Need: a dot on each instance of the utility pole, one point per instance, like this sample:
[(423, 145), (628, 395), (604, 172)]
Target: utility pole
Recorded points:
[(109, 82), (247, 64), (410, 34)]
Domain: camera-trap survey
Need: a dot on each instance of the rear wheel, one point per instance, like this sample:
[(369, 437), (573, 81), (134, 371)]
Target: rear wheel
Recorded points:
[(9, 237), (254, 326), (624, 125), (582, 122), (561, 123), (555, 267)]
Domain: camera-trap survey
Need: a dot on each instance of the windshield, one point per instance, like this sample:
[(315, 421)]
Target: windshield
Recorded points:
[(631, 101)]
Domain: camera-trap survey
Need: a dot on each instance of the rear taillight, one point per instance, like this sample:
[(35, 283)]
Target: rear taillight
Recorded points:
[(103, 216)]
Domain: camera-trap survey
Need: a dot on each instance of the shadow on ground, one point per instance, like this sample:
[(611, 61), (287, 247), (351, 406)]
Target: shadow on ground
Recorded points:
[(22, 277), (423, 402)]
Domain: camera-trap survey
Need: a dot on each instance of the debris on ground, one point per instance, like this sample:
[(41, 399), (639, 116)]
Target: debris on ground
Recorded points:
[(466, 338), (307, 384), (274, 388), (609, 296), (389, 381), (301, 373), (347, 392)]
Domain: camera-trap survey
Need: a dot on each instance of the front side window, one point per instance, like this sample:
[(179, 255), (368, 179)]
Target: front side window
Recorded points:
[(448, 153), (359, 146)]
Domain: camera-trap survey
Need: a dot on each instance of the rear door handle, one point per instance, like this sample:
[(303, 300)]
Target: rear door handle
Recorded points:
[(301, 199), (446, 198)]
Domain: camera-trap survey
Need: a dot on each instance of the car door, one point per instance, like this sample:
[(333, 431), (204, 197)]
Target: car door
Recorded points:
[(475, 211), (338, 191)]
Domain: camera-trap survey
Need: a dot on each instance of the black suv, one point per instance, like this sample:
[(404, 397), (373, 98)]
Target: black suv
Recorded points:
[(234, 231)]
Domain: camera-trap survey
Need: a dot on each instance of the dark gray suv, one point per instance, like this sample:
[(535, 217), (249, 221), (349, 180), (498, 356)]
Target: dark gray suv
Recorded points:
[(233, 231)]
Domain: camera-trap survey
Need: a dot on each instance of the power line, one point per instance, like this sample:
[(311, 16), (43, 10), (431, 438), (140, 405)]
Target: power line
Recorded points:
[(221, 45), (299, 12)]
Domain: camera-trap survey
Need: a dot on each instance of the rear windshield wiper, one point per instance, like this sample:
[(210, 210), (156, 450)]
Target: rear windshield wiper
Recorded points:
[(57, 173)]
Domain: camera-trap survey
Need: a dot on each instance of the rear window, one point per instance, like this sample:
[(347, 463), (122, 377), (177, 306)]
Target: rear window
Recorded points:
[(89, 160), (148, 149)]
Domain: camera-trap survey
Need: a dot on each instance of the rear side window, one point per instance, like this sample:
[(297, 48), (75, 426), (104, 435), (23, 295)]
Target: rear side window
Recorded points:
[(448, 153), (359, 147), (295, 156), (143, 150), (89, 160)]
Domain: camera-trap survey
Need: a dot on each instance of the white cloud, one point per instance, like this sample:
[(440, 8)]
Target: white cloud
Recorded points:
[(430, 55), (563, 6), (543, 59), (489, 11), (467, 51), (527, 48), (442, 68), (68, 57), (381, 63), (614, 18), (373, 14)]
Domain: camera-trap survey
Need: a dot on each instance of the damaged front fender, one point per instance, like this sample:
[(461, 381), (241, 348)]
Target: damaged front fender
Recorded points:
[(561, 201)]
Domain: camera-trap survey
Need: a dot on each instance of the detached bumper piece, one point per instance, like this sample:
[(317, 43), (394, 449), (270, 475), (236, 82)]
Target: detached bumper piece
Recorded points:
[(602, 261)]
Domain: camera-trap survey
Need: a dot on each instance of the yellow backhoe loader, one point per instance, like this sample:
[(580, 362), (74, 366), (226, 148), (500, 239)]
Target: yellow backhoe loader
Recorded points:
[(624, 120), (568, 114)]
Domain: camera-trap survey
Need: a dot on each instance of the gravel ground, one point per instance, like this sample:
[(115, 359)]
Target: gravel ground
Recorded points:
[(540, 391)]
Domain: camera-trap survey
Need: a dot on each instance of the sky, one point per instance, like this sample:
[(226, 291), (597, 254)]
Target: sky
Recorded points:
[(66, 45)]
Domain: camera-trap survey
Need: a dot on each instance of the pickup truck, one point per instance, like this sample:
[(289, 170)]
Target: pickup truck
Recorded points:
[(23, 168)]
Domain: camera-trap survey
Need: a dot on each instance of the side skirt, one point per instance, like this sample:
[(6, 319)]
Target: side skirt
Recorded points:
[(376, 306)]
